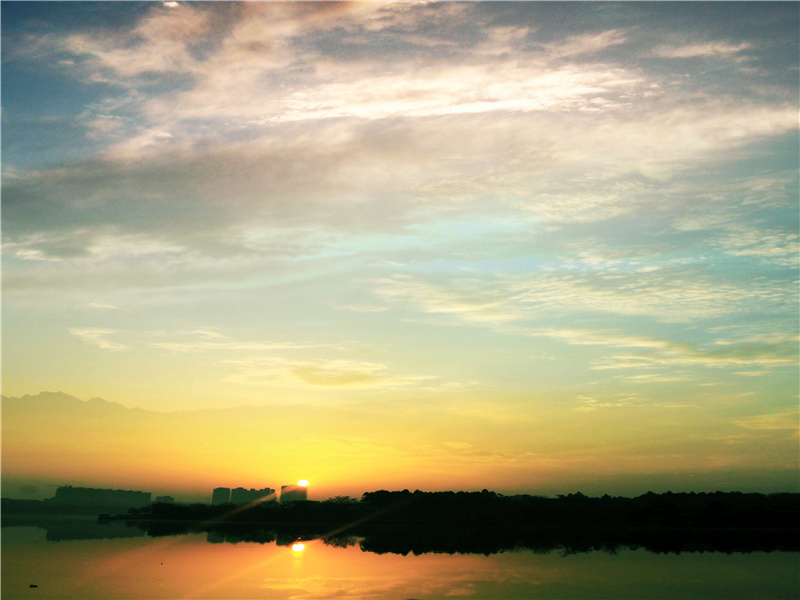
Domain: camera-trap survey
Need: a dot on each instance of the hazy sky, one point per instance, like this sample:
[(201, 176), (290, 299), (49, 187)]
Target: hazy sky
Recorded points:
[(529, 241)]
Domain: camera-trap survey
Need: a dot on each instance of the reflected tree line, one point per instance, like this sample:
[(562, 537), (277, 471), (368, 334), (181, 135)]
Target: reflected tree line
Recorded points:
[(485, 522)]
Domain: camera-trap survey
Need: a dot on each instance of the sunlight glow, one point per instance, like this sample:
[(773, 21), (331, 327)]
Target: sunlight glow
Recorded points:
[(303, 482), (298, 547)]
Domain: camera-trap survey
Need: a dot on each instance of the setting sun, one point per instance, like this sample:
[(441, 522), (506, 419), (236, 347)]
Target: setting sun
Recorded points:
[(298, 547), (303, 482)]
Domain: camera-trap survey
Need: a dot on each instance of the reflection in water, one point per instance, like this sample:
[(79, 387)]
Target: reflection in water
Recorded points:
[(187, 566), (409, 538), (61, 528)]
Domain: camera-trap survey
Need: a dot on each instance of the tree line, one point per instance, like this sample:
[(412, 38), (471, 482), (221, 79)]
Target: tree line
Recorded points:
[(470, 509)]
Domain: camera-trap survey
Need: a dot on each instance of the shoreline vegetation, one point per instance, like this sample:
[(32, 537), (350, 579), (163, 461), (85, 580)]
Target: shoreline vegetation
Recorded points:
[(482, 522)]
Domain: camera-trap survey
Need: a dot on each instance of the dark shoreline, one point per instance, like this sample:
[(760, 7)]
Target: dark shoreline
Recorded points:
[(480, 522)]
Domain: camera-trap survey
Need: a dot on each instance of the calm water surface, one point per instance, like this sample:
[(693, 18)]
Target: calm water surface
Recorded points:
[(193, 566)]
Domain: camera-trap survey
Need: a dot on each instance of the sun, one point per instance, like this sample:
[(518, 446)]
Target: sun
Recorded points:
[(303, 482)]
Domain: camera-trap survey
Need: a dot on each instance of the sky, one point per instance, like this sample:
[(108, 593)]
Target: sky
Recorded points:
[(535, 247)]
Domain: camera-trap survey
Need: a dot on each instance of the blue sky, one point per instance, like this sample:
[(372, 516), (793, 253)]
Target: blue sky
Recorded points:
[(583, 215)]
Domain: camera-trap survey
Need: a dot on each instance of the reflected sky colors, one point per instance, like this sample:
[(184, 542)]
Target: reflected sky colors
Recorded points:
[(189, 567), (509, 245)]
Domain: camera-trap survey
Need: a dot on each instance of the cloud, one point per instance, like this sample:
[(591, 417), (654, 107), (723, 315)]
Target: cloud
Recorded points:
[(767, 352), (476, 307), (458, 445), (98, 337), (103, 305), (771, 422), (288, 364), (160, 43), (317, 373), (591, 403), (340, 373), (211, 342), (652, 378), (672, 295), (188, 342), (589, 43), (713, 49), (281, 130), (768, 245)]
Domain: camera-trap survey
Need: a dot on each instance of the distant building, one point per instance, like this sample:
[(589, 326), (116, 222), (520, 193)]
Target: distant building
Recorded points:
[(266, 495), (242, 496), (80, 496), (165, 499), (294, 493), (221, 495)]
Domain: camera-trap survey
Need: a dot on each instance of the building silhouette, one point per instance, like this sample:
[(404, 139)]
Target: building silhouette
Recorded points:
[(81, 496), (165, 499), (240, 495), (221, 495), (294, 493)]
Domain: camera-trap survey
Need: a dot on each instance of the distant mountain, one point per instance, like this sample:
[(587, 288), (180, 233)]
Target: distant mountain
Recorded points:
[(58, 401), (44, 398)]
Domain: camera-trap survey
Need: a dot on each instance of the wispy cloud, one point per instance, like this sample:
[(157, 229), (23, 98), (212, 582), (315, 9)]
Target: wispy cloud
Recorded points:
[(769, 245), (662, 295), (766, 352), (319, 373), (227, 345), (713, 49), (772, 422), (161, 43), (103, 305), (98, 337), (589, 43)]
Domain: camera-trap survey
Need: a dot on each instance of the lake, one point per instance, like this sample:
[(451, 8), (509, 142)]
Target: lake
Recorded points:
[(74, 558)]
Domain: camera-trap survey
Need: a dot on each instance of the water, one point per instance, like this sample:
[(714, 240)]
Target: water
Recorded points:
[(124, 563)]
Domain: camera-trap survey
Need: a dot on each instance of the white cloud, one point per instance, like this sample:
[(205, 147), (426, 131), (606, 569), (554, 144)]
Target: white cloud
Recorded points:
[(667, 295), (589, 43), (769, 245), (103, 305), (312, 131), (714, 49), (98, 336), (765, 352), (591, 403), (477, 307), (131, 245), (31, 254), (159, 44), (317, 373), (225, 345)]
